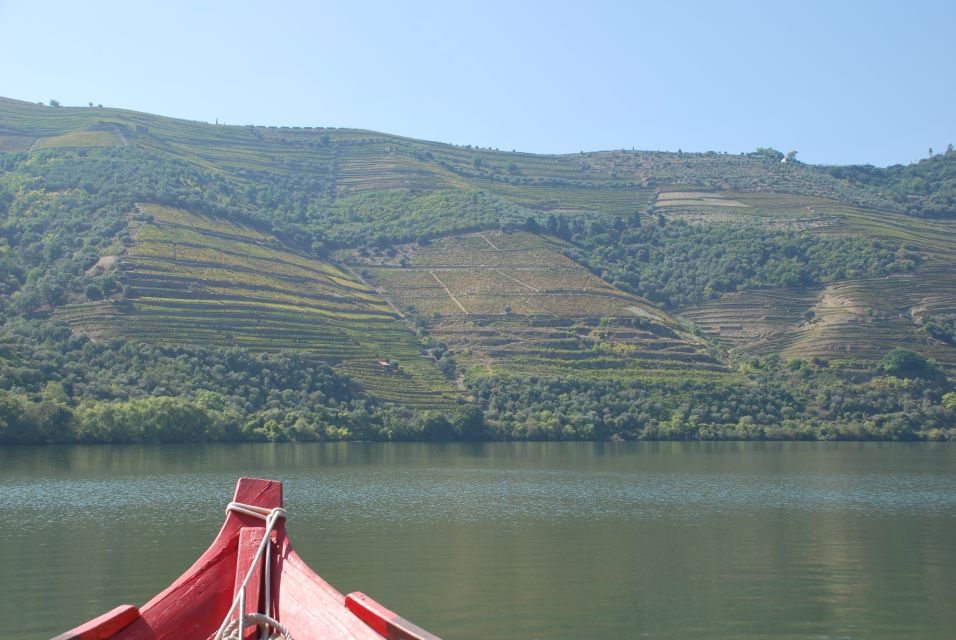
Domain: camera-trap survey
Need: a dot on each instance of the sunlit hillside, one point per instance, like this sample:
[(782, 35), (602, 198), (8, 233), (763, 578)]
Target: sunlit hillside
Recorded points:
[(412, 289)]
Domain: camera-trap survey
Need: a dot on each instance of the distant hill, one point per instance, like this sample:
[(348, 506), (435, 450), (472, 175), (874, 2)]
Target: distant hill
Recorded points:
[(926, 188), (318, 283)]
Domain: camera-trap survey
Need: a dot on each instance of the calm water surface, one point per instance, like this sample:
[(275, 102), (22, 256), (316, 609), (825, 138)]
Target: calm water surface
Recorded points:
[(527, 540)]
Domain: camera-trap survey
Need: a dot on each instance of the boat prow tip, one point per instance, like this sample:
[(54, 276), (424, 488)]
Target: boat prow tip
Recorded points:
[(259, 492)]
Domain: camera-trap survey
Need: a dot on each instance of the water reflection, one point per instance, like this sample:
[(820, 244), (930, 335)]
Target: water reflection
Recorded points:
[(516, 540)]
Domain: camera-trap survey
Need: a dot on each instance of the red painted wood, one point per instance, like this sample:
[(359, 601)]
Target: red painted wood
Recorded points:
[(387, 623), (196, 603), (249, 540), (193, 607), (103, 627), (311, 604)]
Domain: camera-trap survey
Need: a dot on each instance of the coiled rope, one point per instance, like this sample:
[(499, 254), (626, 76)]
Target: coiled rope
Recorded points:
[(236, 621)]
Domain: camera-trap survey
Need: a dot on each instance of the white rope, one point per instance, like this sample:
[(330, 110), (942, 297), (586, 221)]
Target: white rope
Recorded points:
[(233, 627), (232, 632)]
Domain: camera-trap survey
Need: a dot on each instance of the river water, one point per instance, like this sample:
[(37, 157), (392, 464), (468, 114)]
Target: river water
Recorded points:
[(514, 540)]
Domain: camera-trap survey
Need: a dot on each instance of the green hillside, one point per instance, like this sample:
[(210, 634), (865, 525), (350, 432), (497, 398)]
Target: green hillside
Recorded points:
[(201, 280), (345, 173), (859, 316), (515, 303), (303, 283)]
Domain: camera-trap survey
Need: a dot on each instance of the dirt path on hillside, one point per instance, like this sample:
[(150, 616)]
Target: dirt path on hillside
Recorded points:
[(448, 291), (523, 284)]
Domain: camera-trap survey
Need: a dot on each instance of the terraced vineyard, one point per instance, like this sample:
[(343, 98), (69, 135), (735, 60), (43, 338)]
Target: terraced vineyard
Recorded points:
[(343, 161), (494, 273), (776, 210), (194, 279), (593, 348), (856, 319), (937, 238), (754, 321), (514, 302)]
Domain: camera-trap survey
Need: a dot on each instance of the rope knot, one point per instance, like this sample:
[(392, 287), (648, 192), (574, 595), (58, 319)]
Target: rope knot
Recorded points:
[(255, 511)]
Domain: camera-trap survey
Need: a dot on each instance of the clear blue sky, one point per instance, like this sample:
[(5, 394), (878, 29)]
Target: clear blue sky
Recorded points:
[(839, 81)]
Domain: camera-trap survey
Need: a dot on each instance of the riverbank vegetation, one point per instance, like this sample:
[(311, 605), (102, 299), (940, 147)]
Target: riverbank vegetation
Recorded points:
[(779, 400), (57, 387)]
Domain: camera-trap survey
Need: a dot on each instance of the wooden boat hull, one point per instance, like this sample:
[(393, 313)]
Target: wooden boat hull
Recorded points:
[(194, 606)]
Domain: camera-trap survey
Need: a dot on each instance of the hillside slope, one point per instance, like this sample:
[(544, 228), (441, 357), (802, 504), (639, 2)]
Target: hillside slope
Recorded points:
[(856, 317), (512, 302), (356, 167), (620, 293), (199, 280)]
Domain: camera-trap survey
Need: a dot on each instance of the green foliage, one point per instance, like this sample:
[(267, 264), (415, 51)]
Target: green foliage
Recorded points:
[(23, 421), (152, 419), (400, 216), (949, 400), (468, 423), (778, 402), (682, 264), (56, 387), (907, 363), (62, 209), (926, 188), (941, 326), (768, 153), (93, 291)]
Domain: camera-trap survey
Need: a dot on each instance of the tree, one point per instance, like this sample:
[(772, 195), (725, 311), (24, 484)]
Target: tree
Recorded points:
[(907, 363), (949, 400), (552, 224), (563, 231), (769, 153), (469, 422), (54, 103), (436, 426), (93, 291), (791, 156)]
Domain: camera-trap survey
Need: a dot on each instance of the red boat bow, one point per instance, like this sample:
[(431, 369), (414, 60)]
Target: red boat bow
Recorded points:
[(195, 605)]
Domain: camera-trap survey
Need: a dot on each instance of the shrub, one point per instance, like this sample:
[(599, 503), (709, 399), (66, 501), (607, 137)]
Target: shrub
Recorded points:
[(906, 363)]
